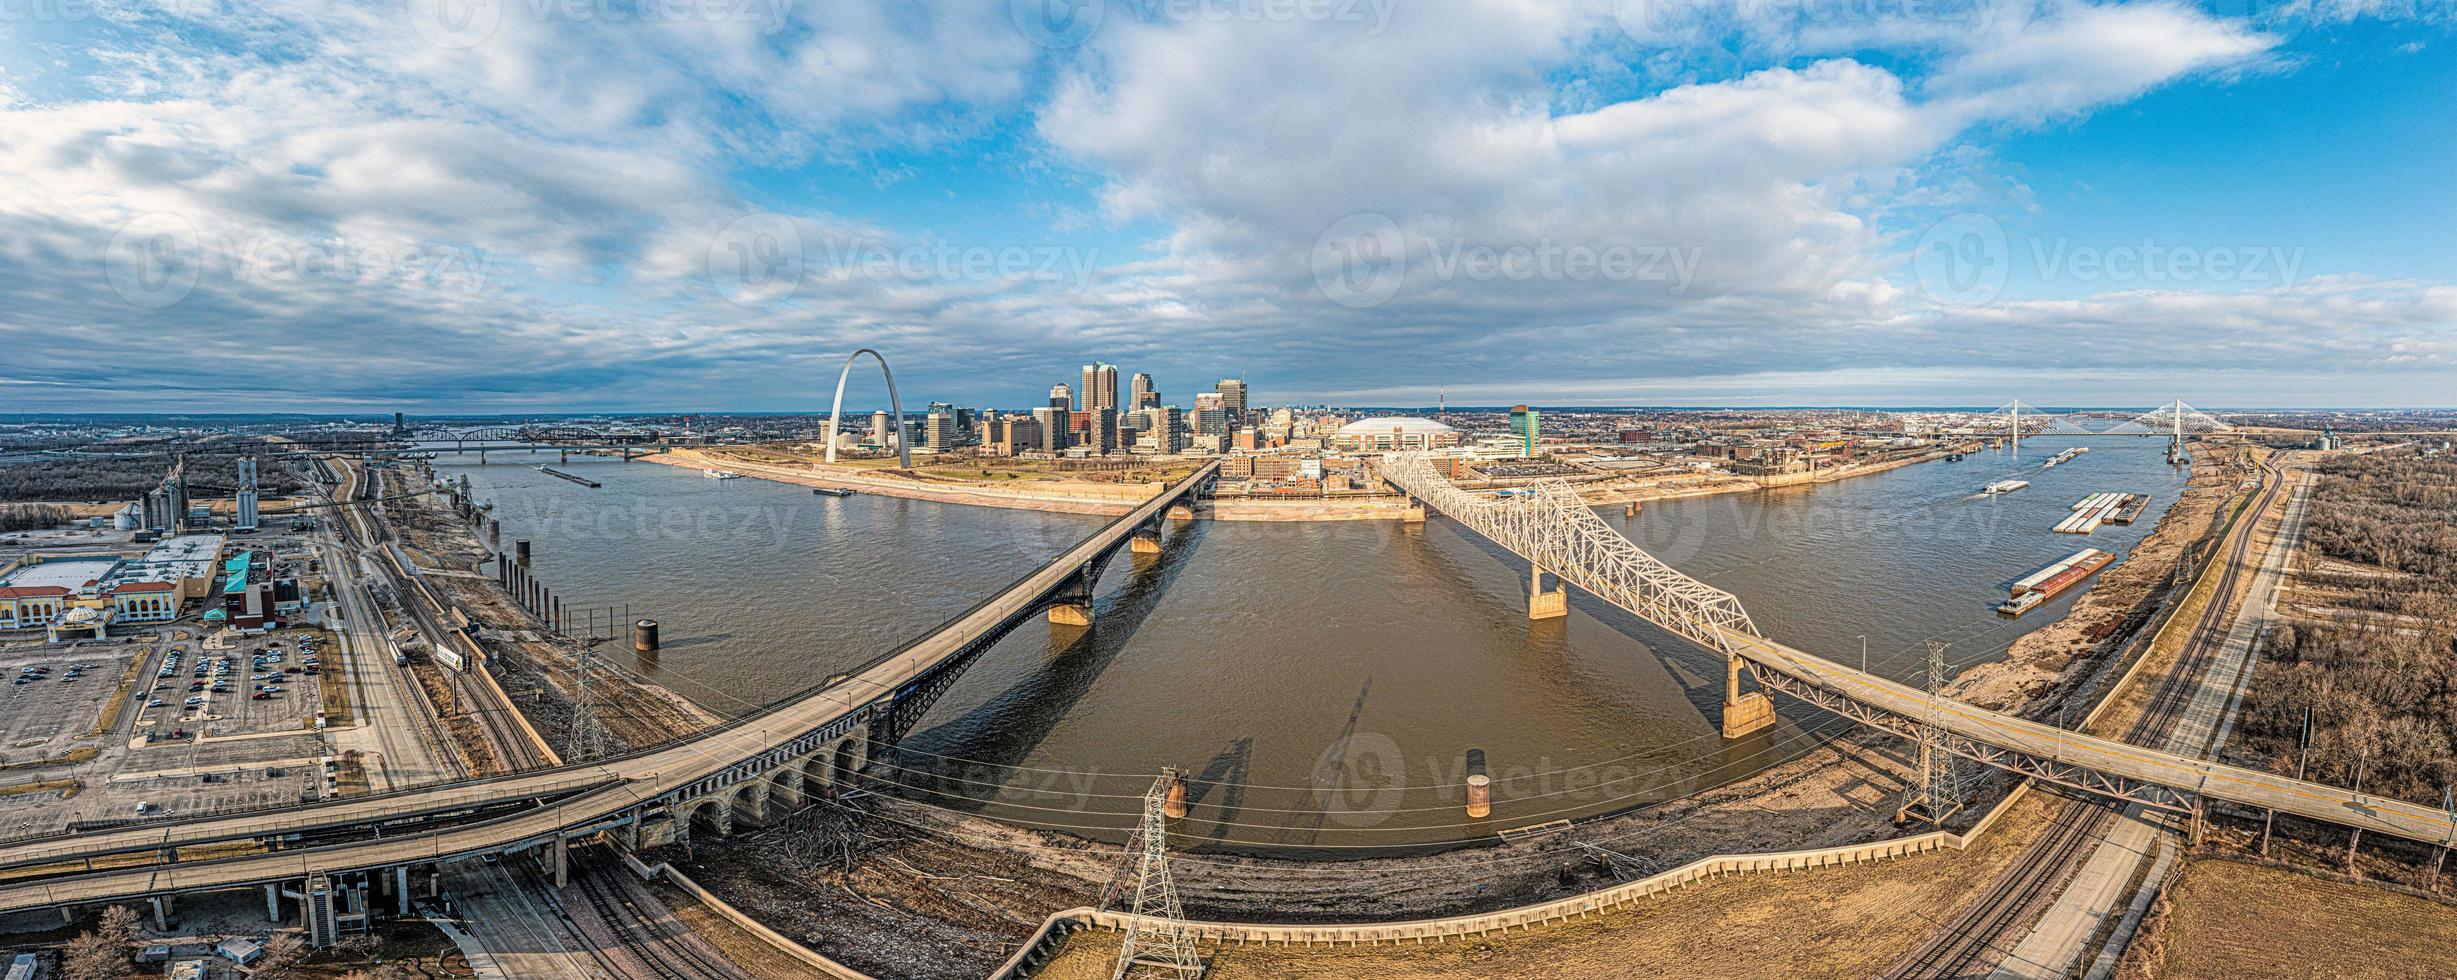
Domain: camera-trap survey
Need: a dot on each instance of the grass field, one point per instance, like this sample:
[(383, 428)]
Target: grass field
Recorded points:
[(2228, 919)]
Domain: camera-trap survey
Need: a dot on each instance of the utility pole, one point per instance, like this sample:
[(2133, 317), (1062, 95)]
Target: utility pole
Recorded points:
[(584, 710), (2303, 753), (2363, 760), (1158, 943), (1935, 798)]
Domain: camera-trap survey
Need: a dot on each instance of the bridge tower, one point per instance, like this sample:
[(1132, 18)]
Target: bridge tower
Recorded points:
[(1936, 796), (1158, 944)]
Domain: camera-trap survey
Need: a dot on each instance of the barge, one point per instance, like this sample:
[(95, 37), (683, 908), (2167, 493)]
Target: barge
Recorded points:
[(2064, 457), (831, 491), (582, 480), (2040, 586), (2004, 486), (2101, 508)]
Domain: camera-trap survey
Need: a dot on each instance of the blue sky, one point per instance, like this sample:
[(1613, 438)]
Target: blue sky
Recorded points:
[(505, 205)]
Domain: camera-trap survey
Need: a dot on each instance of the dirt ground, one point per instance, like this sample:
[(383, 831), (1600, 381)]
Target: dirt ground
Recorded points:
[(1840, 922), (2227, 919)]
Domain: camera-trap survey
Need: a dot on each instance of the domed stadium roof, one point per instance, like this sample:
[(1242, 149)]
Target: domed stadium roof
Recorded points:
[(1404, 423)]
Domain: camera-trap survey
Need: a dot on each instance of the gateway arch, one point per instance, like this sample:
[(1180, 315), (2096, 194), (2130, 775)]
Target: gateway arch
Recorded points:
[(904, 449)]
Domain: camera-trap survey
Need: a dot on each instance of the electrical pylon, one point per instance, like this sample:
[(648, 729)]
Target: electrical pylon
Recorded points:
[(1935, 797), (1158, 943), (586, 741)]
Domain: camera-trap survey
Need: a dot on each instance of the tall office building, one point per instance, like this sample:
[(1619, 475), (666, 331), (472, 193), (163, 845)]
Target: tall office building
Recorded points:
[(1061, 398), (1100, 386), (1233, 398), (1523, 425), (1052, 421), (247, 517), (1103, 437), (939, 432), (1140, 393), (1167, 428)]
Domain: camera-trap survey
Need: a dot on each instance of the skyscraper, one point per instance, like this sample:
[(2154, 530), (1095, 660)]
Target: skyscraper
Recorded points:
[(1523, 425), (1100, 386), (1061, 398), (939, 432), (1233, 398), (1053, 425), (1141, 394)]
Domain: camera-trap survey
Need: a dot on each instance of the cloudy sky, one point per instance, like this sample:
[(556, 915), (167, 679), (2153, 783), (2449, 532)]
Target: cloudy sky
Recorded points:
[(488, 205)]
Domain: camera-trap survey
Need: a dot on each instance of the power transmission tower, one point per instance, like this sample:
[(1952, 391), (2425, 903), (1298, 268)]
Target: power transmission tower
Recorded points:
[(585, 733), (1157, 941), (1936, 795)]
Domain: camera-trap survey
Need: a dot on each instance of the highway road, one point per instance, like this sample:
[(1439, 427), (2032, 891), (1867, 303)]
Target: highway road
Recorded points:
[(603, 793)]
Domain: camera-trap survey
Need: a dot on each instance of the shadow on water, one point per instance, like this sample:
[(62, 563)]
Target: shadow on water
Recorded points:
[(964, 761), (1226, 774)]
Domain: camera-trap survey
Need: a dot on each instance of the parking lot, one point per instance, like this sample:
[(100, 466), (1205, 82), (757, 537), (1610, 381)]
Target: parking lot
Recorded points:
[(54, 696), (254, 686), (69, 765)]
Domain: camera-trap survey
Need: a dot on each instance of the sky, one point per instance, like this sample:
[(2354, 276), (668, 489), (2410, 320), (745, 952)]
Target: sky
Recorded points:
[(472, 206)]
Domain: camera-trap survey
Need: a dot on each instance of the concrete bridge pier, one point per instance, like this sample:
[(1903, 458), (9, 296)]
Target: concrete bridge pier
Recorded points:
[(1414, 513), (273, 904), (162, 912), (1146, 540), (1545, 605), (563, 865), (1073, 605), (1743, 714)]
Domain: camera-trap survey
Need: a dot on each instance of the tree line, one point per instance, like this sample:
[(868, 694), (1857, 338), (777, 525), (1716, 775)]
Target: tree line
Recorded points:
[(124, 479)]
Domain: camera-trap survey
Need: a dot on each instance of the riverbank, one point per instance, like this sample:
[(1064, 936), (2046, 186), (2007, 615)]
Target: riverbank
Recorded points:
[(1056, 496), (1111, 499)]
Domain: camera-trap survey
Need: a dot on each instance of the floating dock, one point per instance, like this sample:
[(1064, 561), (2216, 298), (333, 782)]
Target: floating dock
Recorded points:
[(2040, 586), (582, 480)]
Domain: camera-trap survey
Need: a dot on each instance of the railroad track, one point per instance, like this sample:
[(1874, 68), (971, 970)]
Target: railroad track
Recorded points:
[(1982, 932), (663, 954)]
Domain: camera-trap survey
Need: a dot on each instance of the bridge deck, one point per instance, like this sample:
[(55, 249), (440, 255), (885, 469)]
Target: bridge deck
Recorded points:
[(2190, 775), (620, 784), (1553, 529)]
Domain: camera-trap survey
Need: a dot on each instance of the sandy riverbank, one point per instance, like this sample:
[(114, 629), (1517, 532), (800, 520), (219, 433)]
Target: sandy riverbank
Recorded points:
[(1111, 499)]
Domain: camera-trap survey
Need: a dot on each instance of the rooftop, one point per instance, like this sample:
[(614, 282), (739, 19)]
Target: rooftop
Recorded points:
[(1401, 423), (70, 572)]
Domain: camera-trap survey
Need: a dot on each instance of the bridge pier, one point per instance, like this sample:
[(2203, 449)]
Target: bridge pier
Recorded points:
[(1414, 512), (1545, 605), (1743, 714), (1073, 607), (1146, 540), (273, 904)]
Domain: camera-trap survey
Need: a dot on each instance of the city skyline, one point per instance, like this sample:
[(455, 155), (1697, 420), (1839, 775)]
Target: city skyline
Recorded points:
[(1612, 203)]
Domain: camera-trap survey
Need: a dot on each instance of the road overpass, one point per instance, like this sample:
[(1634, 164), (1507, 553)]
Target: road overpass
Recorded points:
[(737, 773), (1557, 533)]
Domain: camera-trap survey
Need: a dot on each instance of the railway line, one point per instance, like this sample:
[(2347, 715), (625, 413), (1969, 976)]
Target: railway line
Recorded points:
[(618, 915), (1983, 932)]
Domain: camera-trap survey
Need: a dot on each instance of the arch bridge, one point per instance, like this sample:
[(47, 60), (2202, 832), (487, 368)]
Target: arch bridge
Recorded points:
[(739, 774)]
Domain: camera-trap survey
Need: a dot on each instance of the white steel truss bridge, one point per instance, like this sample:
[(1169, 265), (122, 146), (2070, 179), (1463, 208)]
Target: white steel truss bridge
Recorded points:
[(1554, 530)]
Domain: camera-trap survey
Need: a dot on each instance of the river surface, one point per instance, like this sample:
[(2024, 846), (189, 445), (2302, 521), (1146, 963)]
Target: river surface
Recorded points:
[(1322, 681)]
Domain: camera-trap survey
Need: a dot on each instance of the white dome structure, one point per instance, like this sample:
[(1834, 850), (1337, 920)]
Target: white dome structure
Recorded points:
[(1394, 433)]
